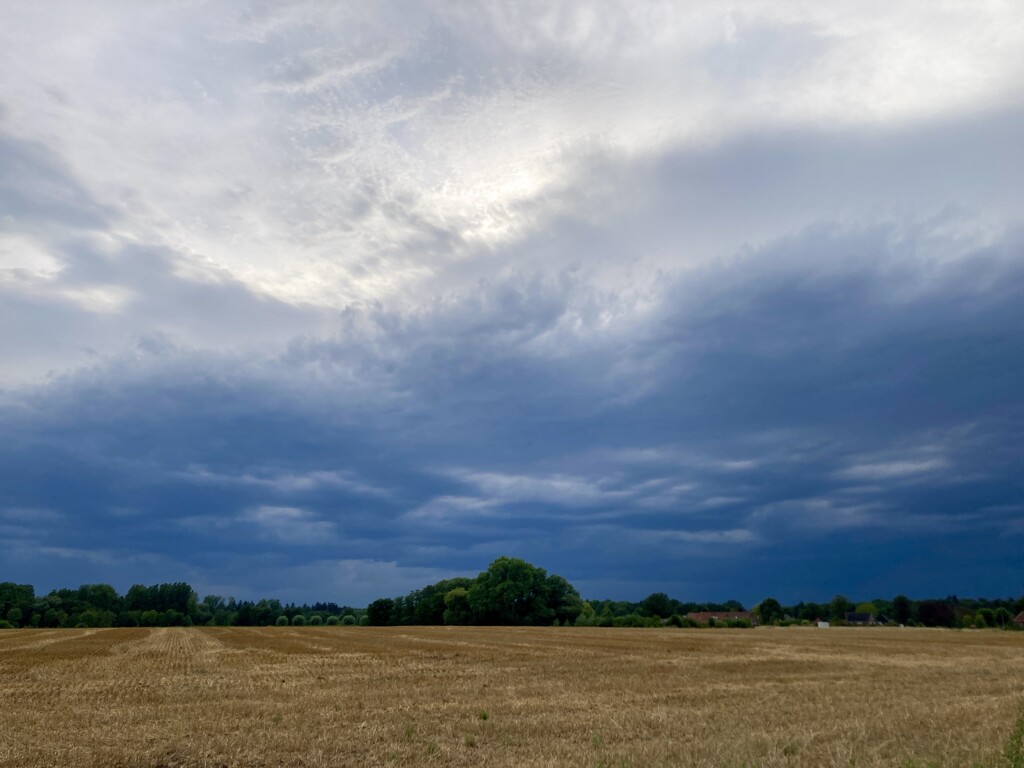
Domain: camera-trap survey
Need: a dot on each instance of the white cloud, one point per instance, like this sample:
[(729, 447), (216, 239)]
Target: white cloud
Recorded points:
[(289, 525), (893, 470), (556, 489), (287, 482), (334, 154), (822, 514)]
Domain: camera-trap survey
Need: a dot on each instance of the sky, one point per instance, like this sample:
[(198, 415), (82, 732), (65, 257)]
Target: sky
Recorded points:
[(330, 301)]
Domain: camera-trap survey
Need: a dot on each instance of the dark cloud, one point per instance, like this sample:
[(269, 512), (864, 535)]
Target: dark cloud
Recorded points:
[(798, 426)]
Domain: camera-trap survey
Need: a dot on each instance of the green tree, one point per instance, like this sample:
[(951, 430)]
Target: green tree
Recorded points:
[(563, 599), (428, 603), (839, 607), (101, 597), (869, 608), (20, 596), (769, 611), (298, 620), (587, 616), (511, 591), (902, 609), (657, 604), (282, 621), (936, 613), (812, 612), (14, 616), (457, 609), (379, 612)]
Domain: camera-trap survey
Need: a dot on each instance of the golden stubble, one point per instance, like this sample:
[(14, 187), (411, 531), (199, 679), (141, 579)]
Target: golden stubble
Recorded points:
[(497, 696)]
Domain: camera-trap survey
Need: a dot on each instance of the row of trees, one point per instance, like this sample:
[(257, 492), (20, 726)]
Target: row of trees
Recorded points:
[(510, 592), (949, 612), (159, 605)]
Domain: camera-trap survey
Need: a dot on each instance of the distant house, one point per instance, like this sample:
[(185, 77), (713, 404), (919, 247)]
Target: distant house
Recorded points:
[(855, 619), (1019, 621), (822, 624), (705, 617)]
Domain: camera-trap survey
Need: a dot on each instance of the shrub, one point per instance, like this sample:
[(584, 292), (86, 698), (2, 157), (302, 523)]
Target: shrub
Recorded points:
[(348, 620), (316, 621), (364, 620), (282, 621), (333, 621), (6, 625), (298, 620)]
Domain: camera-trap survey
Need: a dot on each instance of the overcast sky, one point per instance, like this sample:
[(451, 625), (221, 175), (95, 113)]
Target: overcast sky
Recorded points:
[(333, 300)]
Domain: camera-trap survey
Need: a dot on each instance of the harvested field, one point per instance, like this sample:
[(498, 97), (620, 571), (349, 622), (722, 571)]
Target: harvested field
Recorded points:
[(353, 696)]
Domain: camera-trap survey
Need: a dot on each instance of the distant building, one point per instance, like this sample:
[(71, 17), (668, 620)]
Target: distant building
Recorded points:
[(855, 619), (822, 624), (1019, 621), (705, 617)]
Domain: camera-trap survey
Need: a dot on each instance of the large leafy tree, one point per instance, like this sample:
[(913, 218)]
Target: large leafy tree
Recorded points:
[(428, 604), (511, 591), (457, 610), (657, 604), (380, 611)]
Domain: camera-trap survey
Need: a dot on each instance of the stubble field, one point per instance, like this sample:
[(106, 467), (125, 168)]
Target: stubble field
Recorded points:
[(340, 696)]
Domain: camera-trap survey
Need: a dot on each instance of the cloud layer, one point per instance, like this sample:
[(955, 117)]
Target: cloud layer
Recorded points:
[(331, 302)]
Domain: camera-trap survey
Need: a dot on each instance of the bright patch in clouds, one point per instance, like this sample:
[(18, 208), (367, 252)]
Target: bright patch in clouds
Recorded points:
[(288, 524)]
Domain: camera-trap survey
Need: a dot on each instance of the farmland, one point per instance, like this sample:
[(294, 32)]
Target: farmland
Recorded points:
[(339, 696)]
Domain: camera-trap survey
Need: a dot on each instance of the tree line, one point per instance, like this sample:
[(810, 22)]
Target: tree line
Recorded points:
[(509, 592), (159, 605)]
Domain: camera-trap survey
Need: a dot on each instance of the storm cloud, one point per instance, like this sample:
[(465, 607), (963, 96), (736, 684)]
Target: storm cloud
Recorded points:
[(327, 303)]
